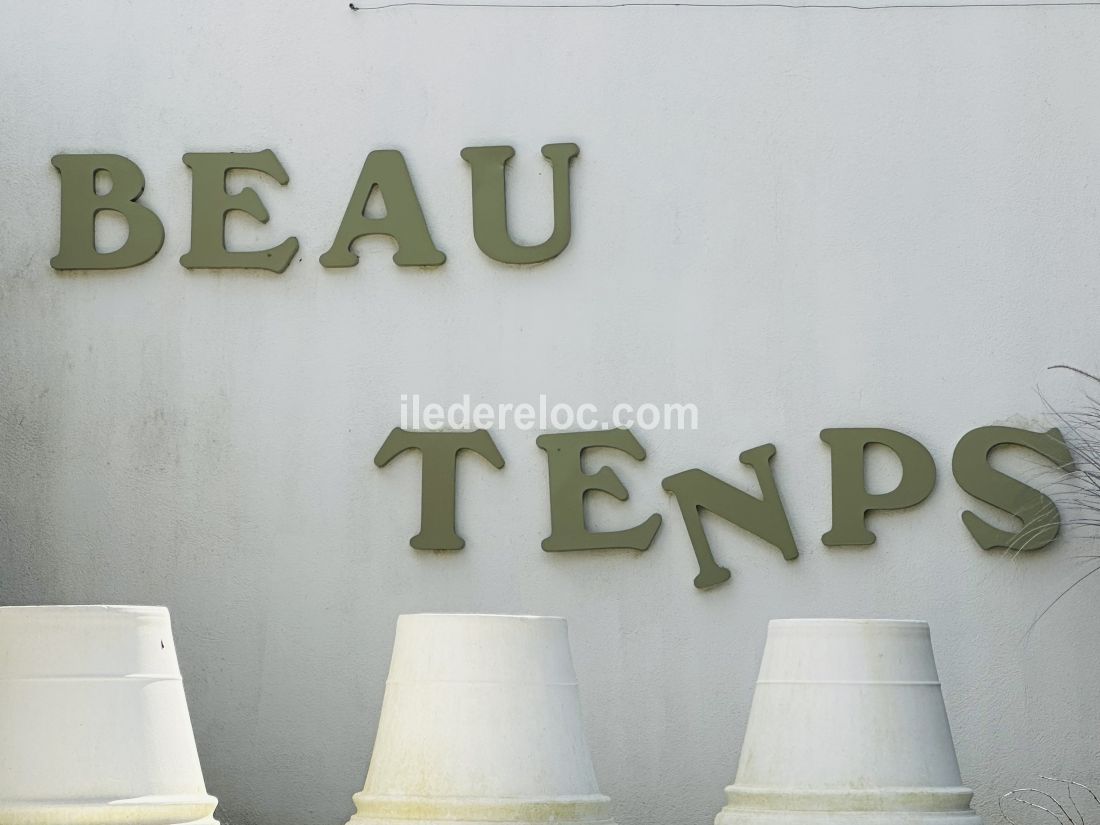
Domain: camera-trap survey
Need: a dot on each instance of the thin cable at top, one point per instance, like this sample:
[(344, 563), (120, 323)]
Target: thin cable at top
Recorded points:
[(694, 5)]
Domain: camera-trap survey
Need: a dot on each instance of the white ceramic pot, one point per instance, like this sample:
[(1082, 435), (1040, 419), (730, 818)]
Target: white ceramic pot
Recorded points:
[(94, 727), (481, 722), (848, 725)]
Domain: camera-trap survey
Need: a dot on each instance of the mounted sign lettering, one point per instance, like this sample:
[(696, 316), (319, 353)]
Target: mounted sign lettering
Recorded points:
[(695, 490), (384, 170), (765, 517)]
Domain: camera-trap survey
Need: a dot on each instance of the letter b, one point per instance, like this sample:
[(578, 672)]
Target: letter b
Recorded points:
[(80, 204)]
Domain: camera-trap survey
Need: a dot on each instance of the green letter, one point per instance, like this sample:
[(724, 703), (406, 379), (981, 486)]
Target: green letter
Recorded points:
[(764, 517), (404, 221), (80, 204), (851, 501), (210, 204), (491, 214), (439, 454), (972, 470), (569, 484)]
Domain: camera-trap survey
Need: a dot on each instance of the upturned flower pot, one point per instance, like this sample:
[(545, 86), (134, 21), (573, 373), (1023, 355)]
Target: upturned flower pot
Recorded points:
[(480, 722), (94, 728), (848, 725)]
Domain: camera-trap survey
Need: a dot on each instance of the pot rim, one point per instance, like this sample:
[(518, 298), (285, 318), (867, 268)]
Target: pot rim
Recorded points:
[(849, 621), (519, 616), (84, 608)]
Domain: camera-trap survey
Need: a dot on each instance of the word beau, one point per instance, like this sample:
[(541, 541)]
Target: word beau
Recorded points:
[(384, 170)]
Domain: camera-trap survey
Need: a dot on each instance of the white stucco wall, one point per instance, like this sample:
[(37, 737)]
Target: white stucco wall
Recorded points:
[(794, 219)]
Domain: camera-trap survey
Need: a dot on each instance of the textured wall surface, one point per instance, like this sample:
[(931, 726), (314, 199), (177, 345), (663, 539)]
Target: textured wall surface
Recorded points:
[(793, 219)]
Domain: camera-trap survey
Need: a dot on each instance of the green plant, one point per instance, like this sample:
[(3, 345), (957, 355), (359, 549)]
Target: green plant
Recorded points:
[(1078, 485), (1054, 807)]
